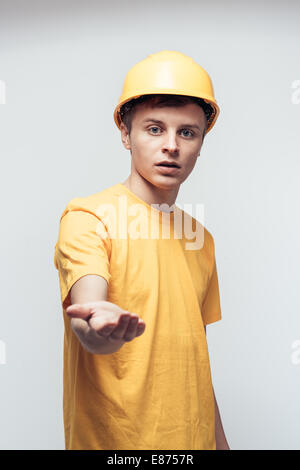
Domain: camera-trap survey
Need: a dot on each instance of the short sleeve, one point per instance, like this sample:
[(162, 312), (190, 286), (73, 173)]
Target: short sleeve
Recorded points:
[(211, 308), (80, 250)]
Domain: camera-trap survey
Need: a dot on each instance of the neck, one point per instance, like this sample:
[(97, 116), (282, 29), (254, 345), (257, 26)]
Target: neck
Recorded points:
[(149, 193)]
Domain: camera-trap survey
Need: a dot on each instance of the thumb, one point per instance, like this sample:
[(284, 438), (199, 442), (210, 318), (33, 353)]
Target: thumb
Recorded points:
[(79, 311)]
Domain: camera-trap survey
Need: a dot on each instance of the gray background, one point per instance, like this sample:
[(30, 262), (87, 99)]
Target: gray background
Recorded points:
[(64, 64)]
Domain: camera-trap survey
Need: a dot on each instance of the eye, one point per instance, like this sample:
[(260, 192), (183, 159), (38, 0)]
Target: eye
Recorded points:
[(153, 127), (187, 130)]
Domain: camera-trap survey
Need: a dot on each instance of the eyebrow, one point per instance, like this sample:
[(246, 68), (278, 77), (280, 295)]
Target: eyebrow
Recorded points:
[(157, 121)]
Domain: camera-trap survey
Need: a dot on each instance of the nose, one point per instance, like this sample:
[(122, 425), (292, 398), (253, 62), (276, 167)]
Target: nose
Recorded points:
[(170, 143)]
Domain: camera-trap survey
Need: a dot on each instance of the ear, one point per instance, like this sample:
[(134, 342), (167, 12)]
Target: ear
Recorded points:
[(125, 136)]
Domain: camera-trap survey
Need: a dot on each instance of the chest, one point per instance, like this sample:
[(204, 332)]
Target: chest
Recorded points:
[(158, 269)]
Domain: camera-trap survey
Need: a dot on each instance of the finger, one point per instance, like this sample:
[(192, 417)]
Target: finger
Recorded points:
[(130, 333), (79, 311), (140, 328), (121, 327), (102, 326)]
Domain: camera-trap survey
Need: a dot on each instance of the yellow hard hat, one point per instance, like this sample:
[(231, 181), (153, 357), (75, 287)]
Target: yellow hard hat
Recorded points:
[(171, 73)]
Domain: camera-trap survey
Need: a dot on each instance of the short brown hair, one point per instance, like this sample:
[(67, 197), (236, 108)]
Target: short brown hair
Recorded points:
[(160, 100)]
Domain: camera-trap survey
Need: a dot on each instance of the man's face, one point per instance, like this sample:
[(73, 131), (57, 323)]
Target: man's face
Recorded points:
[(168, 133)]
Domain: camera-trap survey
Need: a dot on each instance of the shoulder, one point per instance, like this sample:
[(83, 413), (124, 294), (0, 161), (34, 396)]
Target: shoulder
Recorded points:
[(200, 231), (92, 203), (210, 239)]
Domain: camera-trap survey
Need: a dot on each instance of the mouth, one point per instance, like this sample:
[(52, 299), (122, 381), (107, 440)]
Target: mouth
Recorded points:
[(168, 165), (167, 169)]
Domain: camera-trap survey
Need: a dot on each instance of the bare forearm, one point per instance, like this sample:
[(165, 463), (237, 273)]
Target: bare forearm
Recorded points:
[(221, 442)]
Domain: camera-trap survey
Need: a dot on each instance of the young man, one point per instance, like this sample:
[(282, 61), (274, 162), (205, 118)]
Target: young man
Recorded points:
[(137, 294)]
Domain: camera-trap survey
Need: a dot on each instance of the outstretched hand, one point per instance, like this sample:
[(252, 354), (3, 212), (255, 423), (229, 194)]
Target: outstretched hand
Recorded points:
[(103, 320)]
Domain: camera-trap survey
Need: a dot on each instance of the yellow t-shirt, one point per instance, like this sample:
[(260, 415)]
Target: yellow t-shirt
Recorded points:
[(156, 391)]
